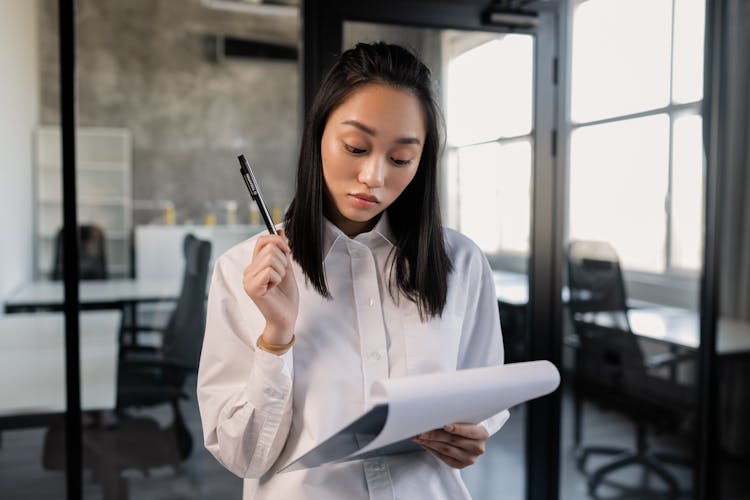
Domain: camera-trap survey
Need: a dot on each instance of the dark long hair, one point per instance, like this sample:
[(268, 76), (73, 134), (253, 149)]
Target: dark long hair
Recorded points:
[(420, 265)]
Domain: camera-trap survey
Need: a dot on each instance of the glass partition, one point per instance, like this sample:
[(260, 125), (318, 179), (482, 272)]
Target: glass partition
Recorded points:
[(32, 355), (167, 97), (485, 88), (634, 248)]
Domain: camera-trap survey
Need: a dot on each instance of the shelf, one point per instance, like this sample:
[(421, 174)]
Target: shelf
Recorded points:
[(89, 200), (110, 235), (99, 166), (103, 175)]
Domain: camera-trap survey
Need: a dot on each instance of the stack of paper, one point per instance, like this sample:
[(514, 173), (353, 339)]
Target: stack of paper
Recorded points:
[(409, 406)]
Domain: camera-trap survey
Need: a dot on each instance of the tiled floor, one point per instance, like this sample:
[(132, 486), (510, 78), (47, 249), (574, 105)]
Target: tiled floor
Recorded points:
[(499, 475)]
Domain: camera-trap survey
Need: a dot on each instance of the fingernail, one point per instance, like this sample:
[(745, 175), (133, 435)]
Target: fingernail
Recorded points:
[(448, 428)]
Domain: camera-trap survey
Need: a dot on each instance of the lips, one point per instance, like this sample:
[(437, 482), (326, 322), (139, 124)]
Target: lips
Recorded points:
[(365, 197), (364, 201)]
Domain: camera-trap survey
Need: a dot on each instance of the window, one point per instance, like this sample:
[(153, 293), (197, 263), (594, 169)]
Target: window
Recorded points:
[(489, 117), (636, 166)]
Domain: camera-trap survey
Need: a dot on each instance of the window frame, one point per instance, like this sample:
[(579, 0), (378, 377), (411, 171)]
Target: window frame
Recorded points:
[(503, 259), (675, 286)]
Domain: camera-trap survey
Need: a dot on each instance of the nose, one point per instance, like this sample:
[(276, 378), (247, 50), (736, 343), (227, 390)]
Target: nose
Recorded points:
[(372, 172)]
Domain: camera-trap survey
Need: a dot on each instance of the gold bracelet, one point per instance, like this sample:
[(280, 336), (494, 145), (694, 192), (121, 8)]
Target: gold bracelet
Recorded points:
[(278, 349)]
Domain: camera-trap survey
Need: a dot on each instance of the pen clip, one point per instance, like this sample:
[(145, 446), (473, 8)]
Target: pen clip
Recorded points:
[(252, 186), (248, 176)]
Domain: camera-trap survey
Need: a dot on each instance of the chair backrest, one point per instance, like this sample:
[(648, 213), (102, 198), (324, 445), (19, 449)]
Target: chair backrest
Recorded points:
[(183, 335), (92, 254), (595, 281), (609, 358)]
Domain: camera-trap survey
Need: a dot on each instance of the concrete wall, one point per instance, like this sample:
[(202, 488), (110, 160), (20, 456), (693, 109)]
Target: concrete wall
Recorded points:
[(142, 65), (425, 42), (19, 107)]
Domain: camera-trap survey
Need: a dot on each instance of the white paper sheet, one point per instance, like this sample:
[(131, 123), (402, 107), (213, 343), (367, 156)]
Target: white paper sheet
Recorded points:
[(408, 406)]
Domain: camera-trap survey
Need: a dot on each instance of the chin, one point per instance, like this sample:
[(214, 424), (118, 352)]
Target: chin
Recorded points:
[(362, 217)]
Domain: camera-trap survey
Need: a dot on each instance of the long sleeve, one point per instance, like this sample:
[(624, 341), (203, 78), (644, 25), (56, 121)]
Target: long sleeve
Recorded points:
[(244, 393), (481, 336)]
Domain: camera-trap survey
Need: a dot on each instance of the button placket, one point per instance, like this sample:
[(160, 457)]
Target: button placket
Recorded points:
[(378, 480), (372, 330)]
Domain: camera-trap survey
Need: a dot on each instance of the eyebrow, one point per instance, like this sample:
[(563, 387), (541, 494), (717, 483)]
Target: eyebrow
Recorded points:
[(369, 131)]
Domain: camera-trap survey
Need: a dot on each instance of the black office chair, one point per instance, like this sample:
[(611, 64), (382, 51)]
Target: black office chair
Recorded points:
[(612, 371), (148, 377), (92, 254), (140, 383), (514, 325)]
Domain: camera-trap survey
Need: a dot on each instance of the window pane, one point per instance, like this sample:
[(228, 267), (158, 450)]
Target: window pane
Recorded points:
[(687, 193), (620, 58), (489, 91), (495, 202), (618, 185), (689, 20)]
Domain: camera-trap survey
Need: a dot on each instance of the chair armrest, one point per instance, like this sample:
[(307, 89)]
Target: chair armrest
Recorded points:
[(144, 328), (125, 350), (150, 362), (668, 359)]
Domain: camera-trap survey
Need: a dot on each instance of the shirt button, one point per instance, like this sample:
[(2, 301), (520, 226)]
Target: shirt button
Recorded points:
[(271, 393), (375, 356), (376, 466), (371, 302)]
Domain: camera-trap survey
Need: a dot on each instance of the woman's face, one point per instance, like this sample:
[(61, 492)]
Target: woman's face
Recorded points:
[(371, 147)]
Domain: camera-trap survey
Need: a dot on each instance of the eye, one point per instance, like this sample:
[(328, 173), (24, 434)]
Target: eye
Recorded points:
[(400, 163), (353, 150)]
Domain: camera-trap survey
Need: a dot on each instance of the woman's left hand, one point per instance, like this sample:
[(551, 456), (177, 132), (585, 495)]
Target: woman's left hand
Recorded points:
[(458, 445)]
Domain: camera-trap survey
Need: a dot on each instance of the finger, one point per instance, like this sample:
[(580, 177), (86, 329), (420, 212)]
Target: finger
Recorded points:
[(265, 242), (259, 285), (472, 446), (286, 240), (271, 239), (448, 460), (449, 437), (448, 456), (471, 431), (266, 258), (452, 450), (275, 259), (267, 279)]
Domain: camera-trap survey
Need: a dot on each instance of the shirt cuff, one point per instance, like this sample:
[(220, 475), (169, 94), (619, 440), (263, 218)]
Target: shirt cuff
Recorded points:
[(271, 379)]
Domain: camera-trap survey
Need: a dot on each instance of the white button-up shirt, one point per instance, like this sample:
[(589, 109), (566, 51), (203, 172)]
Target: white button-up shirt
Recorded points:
[(259, 410)]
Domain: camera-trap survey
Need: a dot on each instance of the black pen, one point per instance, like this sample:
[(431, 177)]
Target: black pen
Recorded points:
[(252, 186)]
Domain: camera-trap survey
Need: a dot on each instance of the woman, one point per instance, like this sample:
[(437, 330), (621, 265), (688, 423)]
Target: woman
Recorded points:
[(367, 286)]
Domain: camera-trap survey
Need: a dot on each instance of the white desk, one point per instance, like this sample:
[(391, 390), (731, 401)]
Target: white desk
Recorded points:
[(511, 288), (681, 327), (158, 249), (32, 363), (105, 294)]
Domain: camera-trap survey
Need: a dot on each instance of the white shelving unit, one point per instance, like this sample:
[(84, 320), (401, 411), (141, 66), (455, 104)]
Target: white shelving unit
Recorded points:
[(103, 187)]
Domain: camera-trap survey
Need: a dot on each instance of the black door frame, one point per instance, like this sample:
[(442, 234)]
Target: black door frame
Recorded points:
[(73, 430), (706, 479)]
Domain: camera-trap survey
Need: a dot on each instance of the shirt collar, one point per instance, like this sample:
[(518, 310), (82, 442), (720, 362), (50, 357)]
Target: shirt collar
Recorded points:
[(381, 233)]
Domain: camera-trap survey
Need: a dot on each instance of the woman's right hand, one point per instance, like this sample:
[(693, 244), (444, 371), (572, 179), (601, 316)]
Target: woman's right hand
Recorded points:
[(269, 281)]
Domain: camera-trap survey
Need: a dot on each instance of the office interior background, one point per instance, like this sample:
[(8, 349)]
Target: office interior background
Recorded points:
[(596, 150)]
